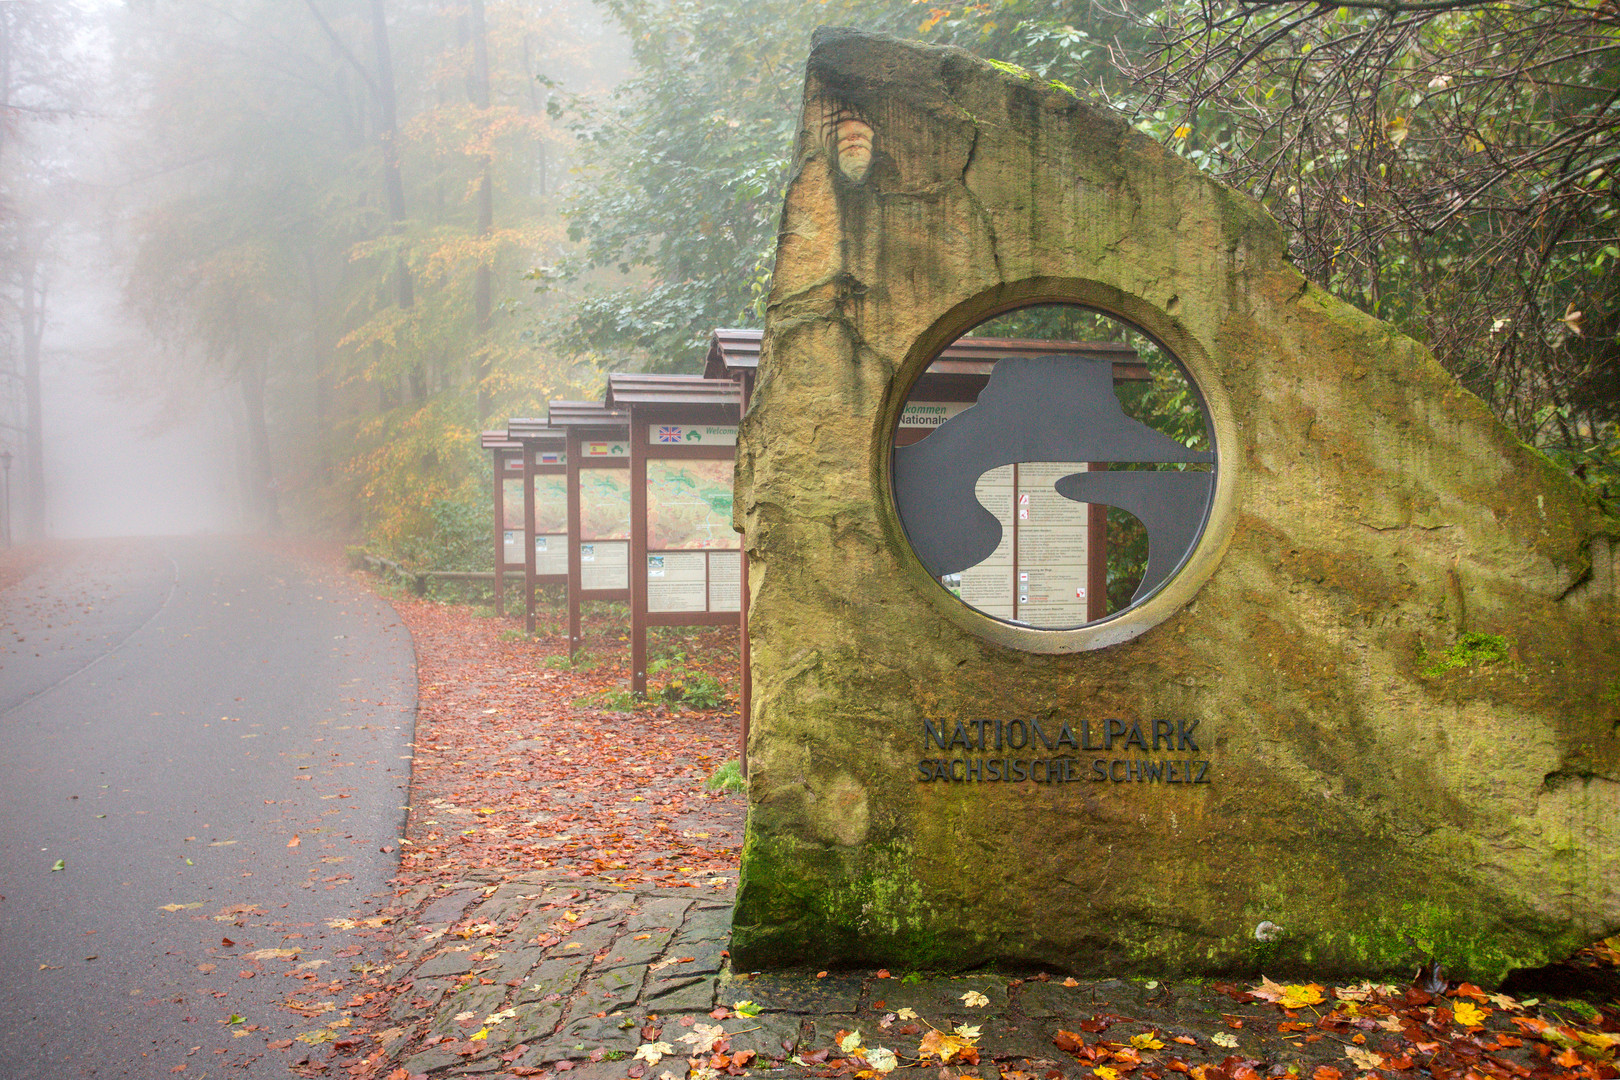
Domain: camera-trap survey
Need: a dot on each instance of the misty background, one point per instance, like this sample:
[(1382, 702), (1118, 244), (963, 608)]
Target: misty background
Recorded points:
[(273, 264)]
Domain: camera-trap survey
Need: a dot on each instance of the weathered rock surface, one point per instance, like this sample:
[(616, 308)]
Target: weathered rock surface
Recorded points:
[(1372, 512)]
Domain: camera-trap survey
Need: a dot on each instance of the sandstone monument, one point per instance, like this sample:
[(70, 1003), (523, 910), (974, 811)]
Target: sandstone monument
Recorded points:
[(1370, 718)]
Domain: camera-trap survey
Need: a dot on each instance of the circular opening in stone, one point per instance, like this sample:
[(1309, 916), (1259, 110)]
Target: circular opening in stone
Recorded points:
[(1053, 467)]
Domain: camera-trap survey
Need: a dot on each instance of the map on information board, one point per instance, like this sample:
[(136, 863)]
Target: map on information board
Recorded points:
[(512, 504), (604, 504), (689, 505), (1037, 574), (551, 504)]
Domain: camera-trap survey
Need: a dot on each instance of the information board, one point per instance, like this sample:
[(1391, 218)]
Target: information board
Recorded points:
[(1050, 543), (551, 504), (604, 504), (512, 519), (694, 581), (677, 581), (725, 581), (551, 554), (988, 586), (604, 564), (689, 505), (930, 414), (1038, 573)]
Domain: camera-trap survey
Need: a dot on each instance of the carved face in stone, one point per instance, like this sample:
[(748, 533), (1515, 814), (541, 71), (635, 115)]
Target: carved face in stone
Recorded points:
[(852, 142)]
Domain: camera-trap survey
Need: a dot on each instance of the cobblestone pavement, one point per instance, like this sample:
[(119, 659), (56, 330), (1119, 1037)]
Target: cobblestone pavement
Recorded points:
[(542, 974)]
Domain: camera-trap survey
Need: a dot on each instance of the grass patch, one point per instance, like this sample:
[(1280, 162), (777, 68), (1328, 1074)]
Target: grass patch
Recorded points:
[(610, 701), (727, 777), (578, 661)]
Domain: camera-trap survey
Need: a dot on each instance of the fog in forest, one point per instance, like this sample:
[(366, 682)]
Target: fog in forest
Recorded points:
[(266, 266), (119, 462)]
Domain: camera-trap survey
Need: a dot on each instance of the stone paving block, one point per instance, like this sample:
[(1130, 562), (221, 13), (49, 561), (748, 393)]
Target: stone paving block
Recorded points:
[(475, 998), (535, 1023), (589, 940), (428, 1060), (626, 950), (447, 908), (803, 994), (514, 963), (431, 992), (706, 924), (1055, 999), (610, 990), (607, 1070), (579, 1037), (695, 957), (765, 1034), (446, 963), (558, 975), (940, 1000), (420, 947), (1115, 995), (1002, 1038), (665, 912), (679, 994)]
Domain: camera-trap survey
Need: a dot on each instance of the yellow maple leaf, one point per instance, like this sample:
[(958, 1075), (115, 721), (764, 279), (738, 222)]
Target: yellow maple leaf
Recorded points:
[(1363, 1059), (1297, 997), (481, 1033), (1469, 1015), (1147, 1041), (1105, 1073), (942, 1046)]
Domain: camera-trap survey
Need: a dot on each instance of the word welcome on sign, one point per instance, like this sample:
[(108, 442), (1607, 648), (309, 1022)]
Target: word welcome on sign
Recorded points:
[(996, 736)]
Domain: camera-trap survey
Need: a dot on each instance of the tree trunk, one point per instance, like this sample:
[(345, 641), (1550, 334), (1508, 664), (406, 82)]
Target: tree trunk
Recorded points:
[(32, 313), (486, 211), (259, 493), (388, 136), (483, 285), (321, 361)]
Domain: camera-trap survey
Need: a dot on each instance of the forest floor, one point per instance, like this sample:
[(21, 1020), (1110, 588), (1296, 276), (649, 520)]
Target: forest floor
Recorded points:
[(564, 898)]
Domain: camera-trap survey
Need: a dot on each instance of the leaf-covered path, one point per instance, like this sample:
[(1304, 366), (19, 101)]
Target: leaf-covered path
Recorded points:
[(544, 804), (516, 770)]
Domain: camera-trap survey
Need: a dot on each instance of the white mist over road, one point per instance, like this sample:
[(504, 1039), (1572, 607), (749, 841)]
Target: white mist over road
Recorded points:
[(121, 459)]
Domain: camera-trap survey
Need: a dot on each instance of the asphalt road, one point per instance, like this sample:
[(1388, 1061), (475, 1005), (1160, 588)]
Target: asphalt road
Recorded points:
[(212, 742)]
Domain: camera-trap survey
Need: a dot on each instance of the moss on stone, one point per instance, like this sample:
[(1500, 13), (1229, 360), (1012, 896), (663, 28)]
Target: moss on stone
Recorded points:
[(1471, 650)]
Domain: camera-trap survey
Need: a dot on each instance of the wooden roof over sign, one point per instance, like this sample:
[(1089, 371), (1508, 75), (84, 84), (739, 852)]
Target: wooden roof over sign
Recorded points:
[(731, 351), (497, 440), (533, 430), (567, 414), (735, 351), (625, 388)]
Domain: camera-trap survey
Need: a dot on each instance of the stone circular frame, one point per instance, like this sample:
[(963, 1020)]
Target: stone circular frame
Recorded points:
[(1199, 562)]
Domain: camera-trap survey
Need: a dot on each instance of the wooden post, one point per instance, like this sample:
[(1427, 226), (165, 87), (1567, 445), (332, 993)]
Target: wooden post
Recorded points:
[(576, 640), (528, 537), (638, 555), (500, 532)]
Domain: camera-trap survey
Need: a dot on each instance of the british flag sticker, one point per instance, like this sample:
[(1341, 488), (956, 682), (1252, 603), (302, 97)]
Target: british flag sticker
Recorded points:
[(669, 434)]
